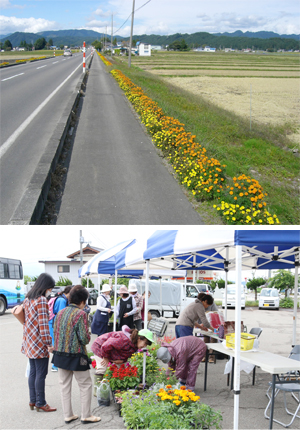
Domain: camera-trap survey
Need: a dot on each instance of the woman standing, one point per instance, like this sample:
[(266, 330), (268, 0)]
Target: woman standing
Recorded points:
[(100, 320), (126, 308), (59, 303), (71, 335), (191, 314), (37, 342)]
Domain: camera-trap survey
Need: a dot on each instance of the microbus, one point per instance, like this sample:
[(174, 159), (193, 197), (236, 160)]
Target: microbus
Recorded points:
[(11, 283)]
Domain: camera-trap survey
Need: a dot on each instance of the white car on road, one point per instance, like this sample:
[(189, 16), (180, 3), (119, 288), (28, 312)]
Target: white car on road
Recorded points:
[(269, 299), (231, 297)]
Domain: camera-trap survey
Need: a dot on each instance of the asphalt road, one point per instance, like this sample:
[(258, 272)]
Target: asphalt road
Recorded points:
[(28, 118), (116, 175), (14, 397)]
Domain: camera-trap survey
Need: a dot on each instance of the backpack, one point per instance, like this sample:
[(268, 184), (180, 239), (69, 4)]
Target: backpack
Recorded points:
[(51, 306)]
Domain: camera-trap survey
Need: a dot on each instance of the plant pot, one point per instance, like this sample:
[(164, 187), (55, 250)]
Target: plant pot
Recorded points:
[(119, 405)]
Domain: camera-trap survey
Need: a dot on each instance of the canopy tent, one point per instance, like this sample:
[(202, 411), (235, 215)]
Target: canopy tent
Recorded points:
[(105, 263), (223, 250)]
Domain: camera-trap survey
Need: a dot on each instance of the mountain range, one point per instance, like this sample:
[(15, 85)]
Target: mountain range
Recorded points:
[(76, 38)]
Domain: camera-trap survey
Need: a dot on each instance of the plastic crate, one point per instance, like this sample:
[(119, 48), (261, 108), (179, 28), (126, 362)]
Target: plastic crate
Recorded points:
[(247, 341), (158, 326)]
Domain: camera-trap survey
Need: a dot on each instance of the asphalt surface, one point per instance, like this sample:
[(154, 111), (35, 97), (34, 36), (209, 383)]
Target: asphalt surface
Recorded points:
[(116, 175), (24, 89), (15, 413)]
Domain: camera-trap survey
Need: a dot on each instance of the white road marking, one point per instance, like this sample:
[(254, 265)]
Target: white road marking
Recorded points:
[(6, 79), (55, 62), (41, 67), (9, 142)]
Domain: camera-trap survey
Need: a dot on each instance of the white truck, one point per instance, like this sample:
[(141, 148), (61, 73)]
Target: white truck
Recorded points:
[(168, 298)]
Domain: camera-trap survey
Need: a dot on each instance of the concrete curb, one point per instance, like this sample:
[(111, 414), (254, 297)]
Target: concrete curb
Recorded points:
[(31, 205)]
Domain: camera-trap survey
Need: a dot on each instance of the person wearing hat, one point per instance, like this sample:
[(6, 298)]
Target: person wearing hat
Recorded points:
[(183, 355), (126, 308), (118, 346), (101, 317), (137, 317)]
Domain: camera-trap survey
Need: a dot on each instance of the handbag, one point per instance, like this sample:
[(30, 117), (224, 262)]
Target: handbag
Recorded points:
[(18, 312)]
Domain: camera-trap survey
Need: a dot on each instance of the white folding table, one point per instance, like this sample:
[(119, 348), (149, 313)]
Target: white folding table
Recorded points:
[(272, 363)]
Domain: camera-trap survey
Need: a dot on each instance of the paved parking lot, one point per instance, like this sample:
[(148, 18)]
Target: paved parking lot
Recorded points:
[(15, 413)]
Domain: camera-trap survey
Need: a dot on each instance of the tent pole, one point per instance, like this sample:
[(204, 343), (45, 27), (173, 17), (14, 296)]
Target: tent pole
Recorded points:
[(115, 301), (194, 271), (237, 349), (295, 303), (146, 295), (160, 291)]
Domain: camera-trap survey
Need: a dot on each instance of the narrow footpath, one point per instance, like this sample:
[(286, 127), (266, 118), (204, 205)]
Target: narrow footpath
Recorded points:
[(116, 175)]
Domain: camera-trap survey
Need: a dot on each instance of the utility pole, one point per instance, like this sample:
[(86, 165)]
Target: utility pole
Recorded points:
[(130, 43), (81, 240), (111, 40)]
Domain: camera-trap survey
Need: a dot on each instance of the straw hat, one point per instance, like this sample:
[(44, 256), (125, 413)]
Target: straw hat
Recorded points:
[(105, 288), (123, 290)]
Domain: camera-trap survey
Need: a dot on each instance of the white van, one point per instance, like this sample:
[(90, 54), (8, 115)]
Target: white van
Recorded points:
[(269, 299), (168, 298), (231, 296)]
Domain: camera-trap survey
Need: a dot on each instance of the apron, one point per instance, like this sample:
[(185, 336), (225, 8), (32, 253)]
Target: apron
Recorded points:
[(100, 320)]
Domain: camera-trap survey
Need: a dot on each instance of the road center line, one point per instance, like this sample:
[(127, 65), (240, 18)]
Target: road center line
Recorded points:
[(6, 79), (41, 67), (9, 142), (55, 62)]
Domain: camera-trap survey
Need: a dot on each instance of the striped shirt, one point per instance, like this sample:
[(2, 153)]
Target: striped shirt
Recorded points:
[(36, 334), (139, 304)]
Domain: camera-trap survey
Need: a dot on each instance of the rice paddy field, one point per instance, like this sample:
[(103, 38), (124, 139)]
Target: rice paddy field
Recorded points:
[(243, 109), (234, 81)]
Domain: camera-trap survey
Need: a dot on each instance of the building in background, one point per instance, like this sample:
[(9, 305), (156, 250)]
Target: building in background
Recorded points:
[(69, 268)]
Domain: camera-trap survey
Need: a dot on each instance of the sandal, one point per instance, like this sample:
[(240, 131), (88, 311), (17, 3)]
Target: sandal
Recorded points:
[(91, 419), (69, 420)]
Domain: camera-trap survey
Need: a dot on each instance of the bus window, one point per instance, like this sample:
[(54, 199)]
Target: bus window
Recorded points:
[(11, 283)]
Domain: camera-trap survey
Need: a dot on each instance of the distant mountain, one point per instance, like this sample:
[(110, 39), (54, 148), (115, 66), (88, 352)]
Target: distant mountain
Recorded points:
[(59, 37), (4, 36), (259, 35), (237, 40)]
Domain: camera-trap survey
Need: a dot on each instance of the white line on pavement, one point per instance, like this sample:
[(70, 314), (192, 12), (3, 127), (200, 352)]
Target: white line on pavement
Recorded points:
[(41, 66), (6, 79), (7, 144), (55, 62)]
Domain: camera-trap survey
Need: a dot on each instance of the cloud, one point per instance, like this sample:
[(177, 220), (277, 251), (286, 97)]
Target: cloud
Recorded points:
[(6, 4), (100, 12), (28, 25)]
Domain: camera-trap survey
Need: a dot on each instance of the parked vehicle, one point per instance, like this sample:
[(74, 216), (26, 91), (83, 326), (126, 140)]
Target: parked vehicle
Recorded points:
[(93, 295), (56, 291), (231, 297), (204, 288), (269, 298), (11, 284), (168, 298)]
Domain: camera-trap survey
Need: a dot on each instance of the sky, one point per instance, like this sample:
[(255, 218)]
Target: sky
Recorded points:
[(163, 17), (32, 244)]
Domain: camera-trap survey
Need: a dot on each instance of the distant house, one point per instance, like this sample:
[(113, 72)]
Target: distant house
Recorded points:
[(144, 49), (156, 47), (69, 268), (209, 49)]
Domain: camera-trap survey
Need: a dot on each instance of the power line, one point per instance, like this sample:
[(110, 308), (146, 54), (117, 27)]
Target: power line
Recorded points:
[(130, 16)]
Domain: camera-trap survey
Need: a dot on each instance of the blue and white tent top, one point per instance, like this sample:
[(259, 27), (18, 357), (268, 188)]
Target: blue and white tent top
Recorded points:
[(215, 249), (104, 263)]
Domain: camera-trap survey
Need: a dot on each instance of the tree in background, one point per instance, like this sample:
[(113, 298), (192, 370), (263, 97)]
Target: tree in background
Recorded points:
[(254, 283), (7, 46), (40, 43), (97, 45), (220, 283), (84, 283), (63, 282), (283, 280)]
